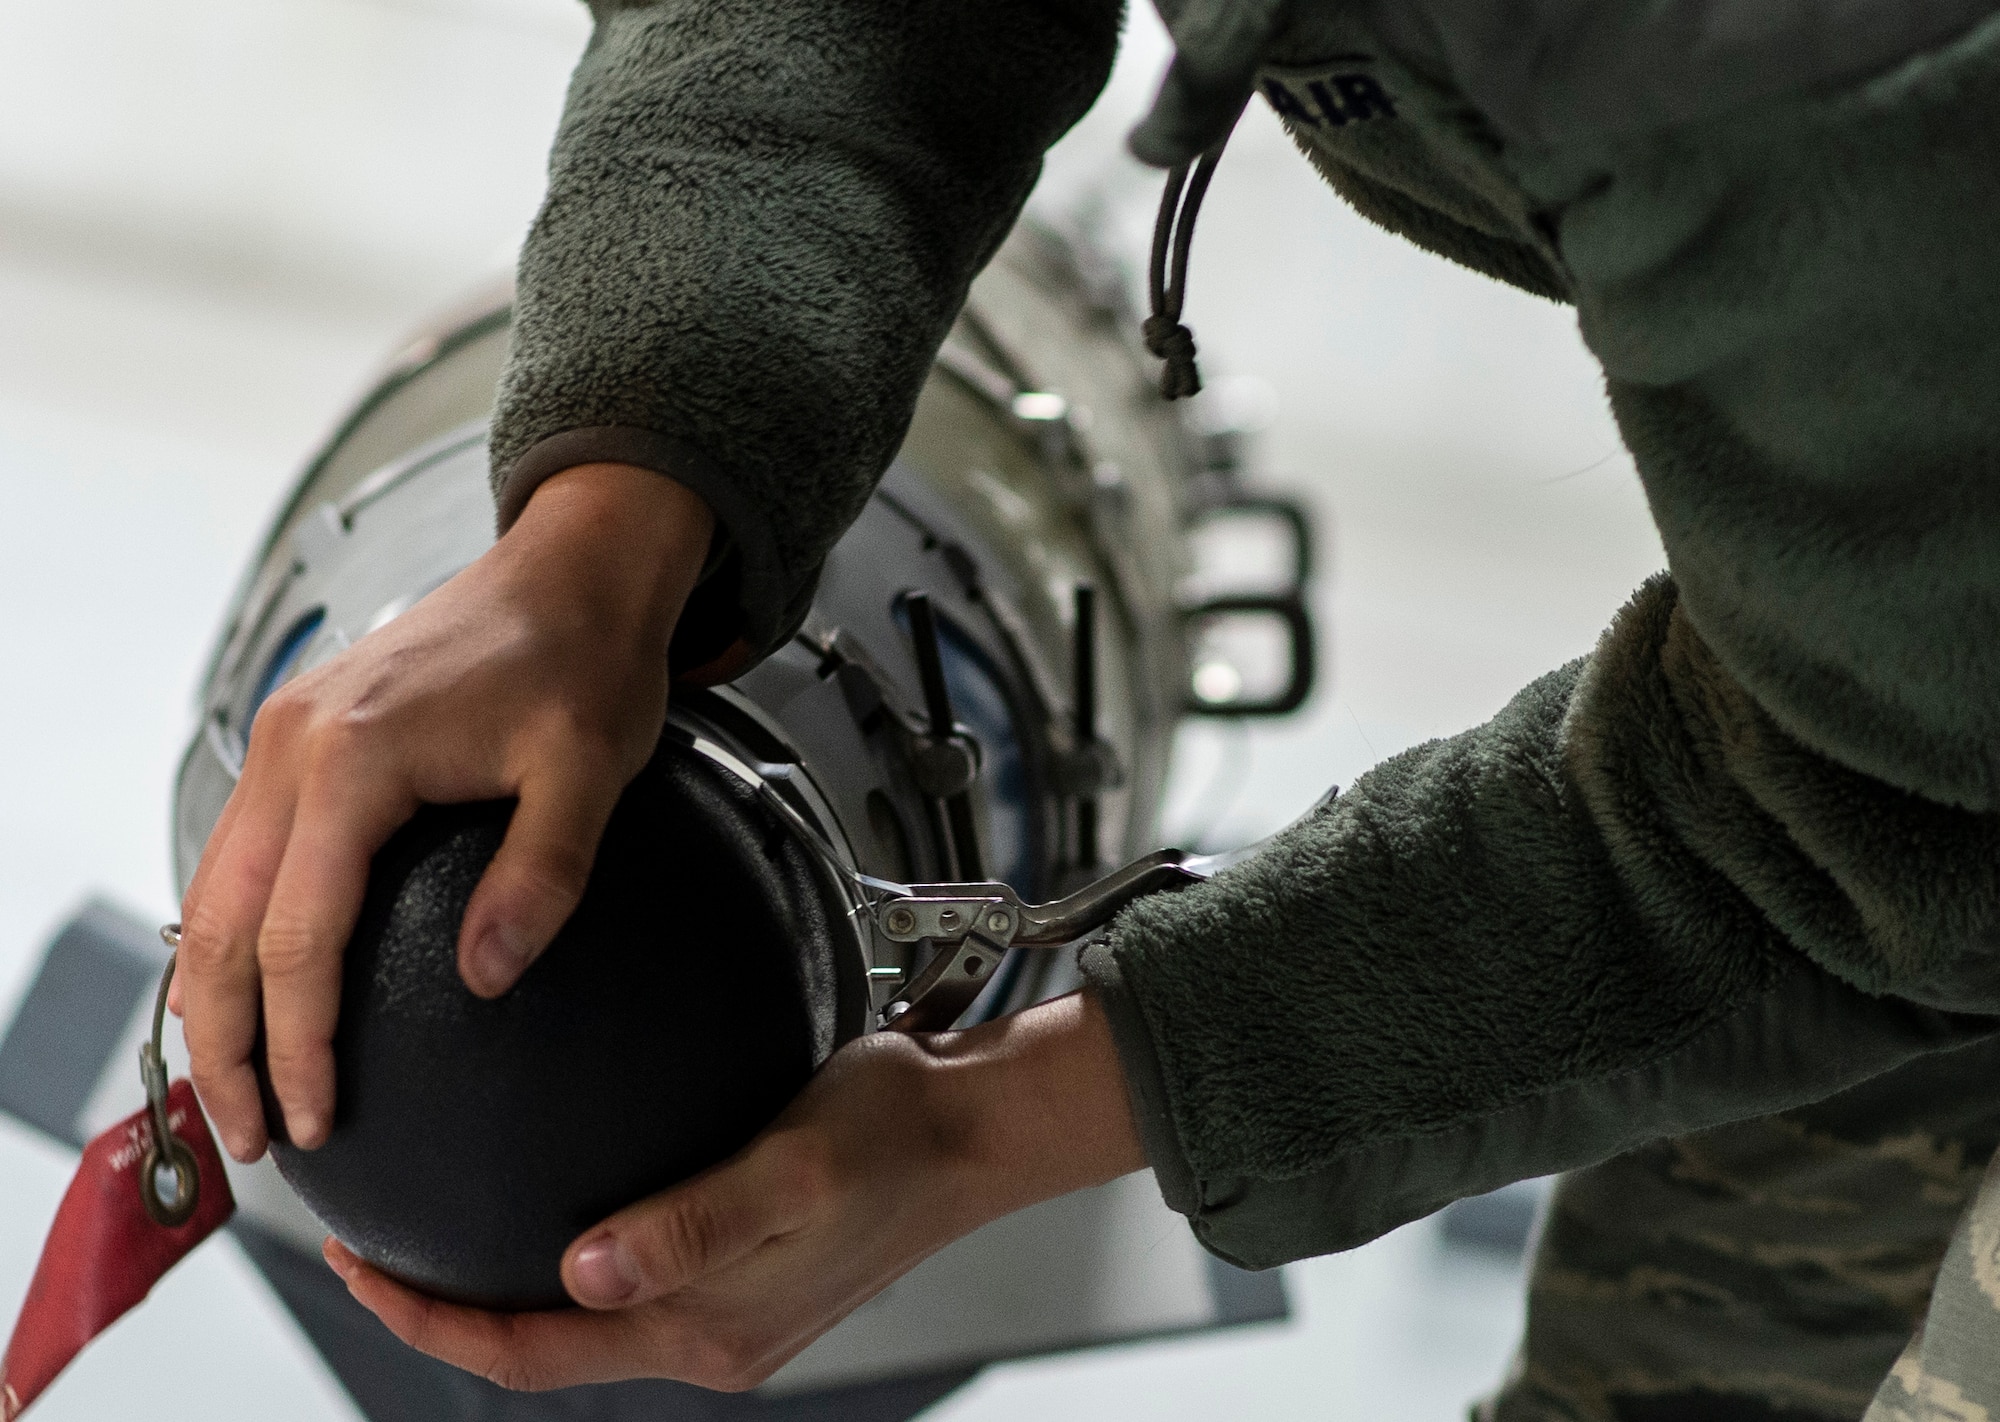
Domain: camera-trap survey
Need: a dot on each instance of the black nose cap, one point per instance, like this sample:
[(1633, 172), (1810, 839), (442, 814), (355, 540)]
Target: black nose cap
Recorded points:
[(685, 1003)]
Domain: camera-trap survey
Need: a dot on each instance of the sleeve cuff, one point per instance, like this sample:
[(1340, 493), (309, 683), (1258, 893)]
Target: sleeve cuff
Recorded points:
[(761, 610), (1143, 1081)]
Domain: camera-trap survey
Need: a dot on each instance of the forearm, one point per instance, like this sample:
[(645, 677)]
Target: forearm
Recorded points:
[(630, 542), (1543, 942), (760, 223), (1030, 1107)]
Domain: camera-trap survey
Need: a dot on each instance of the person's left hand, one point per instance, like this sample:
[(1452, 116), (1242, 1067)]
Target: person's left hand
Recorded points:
[(900, 1145)]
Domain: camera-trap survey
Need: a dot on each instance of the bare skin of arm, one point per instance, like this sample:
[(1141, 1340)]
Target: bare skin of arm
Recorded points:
[(900, 1145), (540, 671)]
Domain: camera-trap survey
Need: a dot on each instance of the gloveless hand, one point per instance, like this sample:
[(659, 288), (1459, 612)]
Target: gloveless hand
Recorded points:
[(898, 1146), (540, 671)]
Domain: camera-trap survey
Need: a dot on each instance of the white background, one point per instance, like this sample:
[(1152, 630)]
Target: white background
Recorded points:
[(216, 218)]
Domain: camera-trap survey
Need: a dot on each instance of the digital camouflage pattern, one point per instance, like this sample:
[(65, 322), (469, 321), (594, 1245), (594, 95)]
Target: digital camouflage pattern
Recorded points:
[(1951, 1370), (1769, 1271)]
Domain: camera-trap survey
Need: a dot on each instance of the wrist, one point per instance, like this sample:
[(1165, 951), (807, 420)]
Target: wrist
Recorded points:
[(1030, 1107), (638, 535)]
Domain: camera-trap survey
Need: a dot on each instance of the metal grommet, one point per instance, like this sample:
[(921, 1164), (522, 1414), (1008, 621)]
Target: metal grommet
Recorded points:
[(170, 1214)]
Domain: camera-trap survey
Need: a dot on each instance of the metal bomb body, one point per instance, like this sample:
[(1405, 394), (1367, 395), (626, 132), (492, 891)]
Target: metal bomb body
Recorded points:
[(983, 696)]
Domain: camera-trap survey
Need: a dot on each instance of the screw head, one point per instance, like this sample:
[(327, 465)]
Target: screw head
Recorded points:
[(901, 920), (998, 921)]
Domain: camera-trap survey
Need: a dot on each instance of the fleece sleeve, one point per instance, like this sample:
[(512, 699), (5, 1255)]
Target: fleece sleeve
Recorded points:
[(1748, 852), (761, 219), (1604, 917)]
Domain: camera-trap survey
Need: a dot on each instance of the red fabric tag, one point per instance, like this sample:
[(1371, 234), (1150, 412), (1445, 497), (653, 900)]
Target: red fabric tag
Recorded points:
[(104, 1252)]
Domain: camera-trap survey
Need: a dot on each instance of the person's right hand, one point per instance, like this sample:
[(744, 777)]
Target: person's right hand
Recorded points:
[(540, 672), (899, 1145)]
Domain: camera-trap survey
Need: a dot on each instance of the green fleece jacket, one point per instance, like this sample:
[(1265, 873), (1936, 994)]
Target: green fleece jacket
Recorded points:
[(1745, 854)]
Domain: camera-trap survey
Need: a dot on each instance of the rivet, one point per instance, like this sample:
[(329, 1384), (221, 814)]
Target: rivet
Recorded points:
[(998, 922)]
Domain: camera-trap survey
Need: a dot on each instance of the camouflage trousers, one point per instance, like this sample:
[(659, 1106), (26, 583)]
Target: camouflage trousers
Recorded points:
[(1951, 1370), (1769, 1271)]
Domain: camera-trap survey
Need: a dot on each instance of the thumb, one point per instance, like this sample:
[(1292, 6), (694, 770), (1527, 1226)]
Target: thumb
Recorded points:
[(532, 886), (674, 1239)]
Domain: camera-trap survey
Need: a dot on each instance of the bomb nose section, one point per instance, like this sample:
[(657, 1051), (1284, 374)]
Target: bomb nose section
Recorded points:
[(688, 999)]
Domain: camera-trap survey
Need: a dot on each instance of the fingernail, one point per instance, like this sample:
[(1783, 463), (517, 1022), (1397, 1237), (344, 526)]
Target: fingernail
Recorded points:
[(498, 956), (605, 1273), (306, 1128)]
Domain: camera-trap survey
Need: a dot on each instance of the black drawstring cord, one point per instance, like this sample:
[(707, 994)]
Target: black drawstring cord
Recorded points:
[(1173, 231)]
